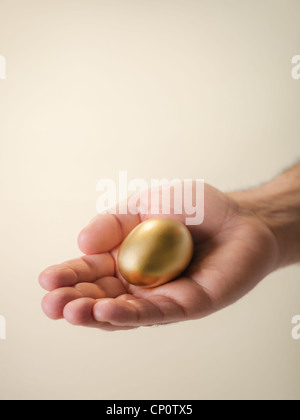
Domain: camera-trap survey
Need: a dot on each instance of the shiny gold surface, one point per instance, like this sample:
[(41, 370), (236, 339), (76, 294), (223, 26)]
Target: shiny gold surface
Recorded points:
[(155, 252)]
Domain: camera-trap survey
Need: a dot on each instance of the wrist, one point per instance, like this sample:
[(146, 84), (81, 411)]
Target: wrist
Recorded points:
[(277, 205)]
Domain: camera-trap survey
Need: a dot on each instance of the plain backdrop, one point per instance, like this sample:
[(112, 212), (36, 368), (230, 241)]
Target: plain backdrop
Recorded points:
[(160, 88)]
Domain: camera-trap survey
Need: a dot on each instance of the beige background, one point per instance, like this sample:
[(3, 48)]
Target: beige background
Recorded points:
[(162, 88)]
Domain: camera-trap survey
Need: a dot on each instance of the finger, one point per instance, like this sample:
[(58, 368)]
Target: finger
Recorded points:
[(127, 297), (80, 313), (90, 290), (109, 286), (53, 303), (84, 269), (105, 232), (138, 312)]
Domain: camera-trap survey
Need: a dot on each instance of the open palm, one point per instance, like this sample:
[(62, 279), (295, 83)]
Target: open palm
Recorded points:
[(234, 250)]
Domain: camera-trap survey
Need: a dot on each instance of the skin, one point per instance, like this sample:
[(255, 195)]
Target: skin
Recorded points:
[(245, 236)]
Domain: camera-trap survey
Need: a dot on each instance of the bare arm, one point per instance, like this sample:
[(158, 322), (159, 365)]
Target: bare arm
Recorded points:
[(277, 204)]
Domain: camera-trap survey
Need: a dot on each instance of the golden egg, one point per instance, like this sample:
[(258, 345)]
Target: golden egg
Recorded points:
[(155, 252)]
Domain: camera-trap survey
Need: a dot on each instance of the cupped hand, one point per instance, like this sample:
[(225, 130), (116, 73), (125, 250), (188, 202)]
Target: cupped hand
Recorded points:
[(234, 250)]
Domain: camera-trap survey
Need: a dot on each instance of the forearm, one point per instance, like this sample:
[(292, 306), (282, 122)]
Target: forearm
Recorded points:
[(277, 204)]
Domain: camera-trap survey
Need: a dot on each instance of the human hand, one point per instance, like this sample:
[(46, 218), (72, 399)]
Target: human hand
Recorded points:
[(234, 250)]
